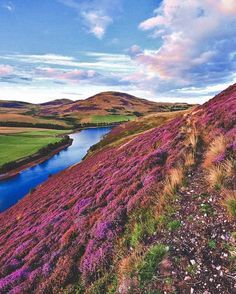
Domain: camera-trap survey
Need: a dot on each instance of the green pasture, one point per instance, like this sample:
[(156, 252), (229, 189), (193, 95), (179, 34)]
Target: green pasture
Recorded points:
[(111, 118), (20, 145)]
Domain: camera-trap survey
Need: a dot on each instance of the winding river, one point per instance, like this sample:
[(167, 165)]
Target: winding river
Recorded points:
[(12, 190)]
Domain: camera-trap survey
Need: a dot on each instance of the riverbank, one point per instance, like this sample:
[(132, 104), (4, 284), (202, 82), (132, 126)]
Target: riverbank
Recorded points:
[(33, 160), (15, 188), (14, 168)]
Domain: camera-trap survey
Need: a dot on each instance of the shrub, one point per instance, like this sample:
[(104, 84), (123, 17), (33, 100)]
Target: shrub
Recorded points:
[(173, 181), (189, 159), (219, 173), (216, 148), (216, 176), (151, 260), (230, 202)]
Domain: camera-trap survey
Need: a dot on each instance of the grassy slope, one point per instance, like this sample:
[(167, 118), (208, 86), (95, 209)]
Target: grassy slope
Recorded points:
[(19, 145)]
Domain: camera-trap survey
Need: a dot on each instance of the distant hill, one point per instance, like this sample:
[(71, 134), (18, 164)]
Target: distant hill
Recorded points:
[(115, 103), (57, 102), (103, 108), (152, 212), (14, 104)]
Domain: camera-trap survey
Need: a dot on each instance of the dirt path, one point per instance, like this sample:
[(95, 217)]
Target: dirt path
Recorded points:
[(200, 260)]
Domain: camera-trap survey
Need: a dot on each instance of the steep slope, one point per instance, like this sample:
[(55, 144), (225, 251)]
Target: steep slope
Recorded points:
[(151, 214)]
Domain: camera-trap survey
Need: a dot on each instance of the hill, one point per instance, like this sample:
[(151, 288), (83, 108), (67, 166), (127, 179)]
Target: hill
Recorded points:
[(57, 102), (149, 214), (104, 108), (111, 104)]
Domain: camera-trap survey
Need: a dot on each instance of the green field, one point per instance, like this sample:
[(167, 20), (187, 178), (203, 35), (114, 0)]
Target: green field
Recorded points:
[(111, 118), (20, 145)]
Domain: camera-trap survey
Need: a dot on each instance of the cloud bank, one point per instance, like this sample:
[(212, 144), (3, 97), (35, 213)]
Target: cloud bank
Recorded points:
[(198, 44)]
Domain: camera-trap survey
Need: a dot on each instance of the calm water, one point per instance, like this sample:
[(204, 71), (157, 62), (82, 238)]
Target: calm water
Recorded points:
[(14, 189)]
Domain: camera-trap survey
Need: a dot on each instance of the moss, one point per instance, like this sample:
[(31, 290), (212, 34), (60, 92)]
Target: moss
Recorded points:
[(212, 244), (150, 262), (174, 225)]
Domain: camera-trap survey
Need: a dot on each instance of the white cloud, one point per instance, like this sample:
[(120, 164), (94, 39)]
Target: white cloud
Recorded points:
[(196, 44), (96, 15), (9, 6), (94, 61)]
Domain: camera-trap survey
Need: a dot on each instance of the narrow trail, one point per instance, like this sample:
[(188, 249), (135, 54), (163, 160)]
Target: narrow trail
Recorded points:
[(199, 259)]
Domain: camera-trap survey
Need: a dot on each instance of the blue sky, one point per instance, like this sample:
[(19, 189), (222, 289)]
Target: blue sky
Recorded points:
[(170, 50)]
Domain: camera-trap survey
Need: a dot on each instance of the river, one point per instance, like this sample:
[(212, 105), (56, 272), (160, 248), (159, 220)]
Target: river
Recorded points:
[(12, 190)]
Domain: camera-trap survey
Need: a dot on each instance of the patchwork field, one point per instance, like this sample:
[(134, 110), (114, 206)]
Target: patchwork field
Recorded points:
[(17, 144)]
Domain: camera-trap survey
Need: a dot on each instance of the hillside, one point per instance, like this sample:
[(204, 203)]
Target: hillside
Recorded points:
[(111, 104), (57, 102), (103, 108), (149, 214)]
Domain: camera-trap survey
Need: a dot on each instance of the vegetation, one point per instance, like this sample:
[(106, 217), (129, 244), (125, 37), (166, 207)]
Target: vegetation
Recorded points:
[(127, 219), (150, 262), (20, 145), (113, 118), (229, 202)]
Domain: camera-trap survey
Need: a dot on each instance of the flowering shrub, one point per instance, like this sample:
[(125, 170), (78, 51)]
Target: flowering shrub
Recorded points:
[(68, 228)]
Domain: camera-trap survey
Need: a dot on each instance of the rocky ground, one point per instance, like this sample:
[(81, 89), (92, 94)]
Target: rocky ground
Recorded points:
[(201, 243)]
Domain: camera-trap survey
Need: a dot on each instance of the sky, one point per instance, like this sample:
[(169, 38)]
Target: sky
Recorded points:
[(169, 50)]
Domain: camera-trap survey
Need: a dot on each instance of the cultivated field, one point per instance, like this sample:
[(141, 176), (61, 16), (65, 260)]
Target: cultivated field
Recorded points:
[(17, 143)]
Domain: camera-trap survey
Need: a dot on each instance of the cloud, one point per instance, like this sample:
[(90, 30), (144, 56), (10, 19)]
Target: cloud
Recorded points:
[(96, 15), (67, 76), (197, 48), (9, 6), (5, 70), (99, 61)]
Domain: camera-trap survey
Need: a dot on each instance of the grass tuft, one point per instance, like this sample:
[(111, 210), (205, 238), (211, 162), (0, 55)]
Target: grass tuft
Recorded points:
[(229, 202), (173, 181), (216, 148), (150, 262)]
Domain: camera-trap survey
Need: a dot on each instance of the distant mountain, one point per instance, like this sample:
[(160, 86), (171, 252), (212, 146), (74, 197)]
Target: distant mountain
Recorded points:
[(151, 212)]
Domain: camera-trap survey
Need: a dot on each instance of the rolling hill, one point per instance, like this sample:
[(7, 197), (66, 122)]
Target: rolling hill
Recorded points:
[(103, 108), (151, 213)]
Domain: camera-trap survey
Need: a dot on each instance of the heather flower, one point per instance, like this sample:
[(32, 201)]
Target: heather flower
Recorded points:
[(220, 158), (46, 269)]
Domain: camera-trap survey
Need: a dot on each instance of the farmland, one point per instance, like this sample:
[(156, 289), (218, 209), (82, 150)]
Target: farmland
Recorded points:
[(19, 143), (111, 118)]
